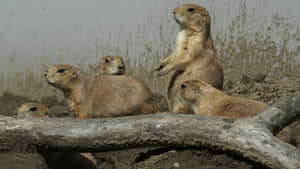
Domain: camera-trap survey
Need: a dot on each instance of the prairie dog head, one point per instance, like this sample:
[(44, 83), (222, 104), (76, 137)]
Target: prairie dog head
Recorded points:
[(32, 110), (61, 76), (111, 65), (193, 17), (193, 91)]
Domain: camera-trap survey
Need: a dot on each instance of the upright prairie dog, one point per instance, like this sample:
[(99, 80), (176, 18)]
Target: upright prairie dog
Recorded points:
[(57, 160), (111, 65), (101, 96), (194, 58), (204, 99)]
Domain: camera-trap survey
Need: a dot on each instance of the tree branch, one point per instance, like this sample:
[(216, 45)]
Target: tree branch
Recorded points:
[(250, 138), (283, 112)]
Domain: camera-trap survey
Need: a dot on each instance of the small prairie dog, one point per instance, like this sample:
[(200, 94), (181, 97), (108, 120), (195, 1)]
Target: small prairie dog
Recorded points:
[(194, 57), (204, 99), (32, 110), (66, 160), (111, 65), (101, 96)]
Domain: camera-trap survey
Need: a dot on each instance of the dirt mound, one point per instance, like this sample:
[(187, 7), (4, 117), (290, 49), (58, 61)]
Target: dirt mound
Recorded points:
[(268, 91), (22, 161), (172, 158), (9, 103)]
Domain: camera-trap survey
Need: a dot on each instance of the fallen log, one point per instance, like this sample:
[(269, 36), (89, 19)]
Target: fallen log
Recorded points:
[(252, 138)]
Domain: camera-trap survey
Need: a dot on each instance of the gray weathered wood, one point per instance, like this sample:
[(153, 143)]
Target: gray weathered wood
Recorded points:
[(251, 138)]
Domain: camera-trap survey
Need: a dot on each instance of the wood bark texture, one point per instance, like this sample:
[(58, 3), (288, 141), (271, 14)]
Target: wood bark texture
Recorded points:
[(253, 138)]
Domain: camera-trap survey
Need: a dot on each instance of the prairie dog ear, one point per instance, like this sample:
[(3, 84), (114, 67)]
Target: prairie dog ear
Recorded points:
[(201, 83), (198, 85)]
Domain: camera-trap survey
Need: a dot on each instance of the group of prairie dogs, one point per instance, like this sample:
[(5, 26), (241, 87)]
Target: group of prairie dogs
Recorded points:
[(194, 87)]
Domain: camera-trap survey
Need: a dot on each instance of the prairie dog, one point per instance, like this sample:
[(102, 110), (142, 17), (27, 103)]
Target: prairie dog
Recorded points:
[(194, 58), (111, 65), (101, 96), (204, 99)]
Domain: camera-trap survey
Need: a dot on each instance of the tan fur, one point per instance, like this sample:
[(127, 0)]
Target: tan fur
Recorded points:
[(194, 56), (32, 110), (84, 160), (111, 65), (102, 96), (204, 99)]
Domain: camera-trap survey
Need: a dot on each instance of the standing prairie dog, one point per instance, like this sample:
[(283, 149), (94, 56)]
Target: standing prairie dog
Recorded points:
[(194, 58), (204, 99), (57, 160), (101, 96), (111, 65)]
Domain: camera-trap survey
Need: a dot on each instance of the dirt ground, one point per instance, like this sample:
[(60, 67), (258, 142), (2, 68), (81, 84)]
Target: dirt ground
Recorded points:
[(256, 87)]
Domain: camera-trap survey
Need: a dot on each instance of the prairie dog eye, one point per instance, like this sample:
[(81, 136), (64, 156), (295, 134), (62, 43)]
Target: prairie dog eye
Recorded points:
[(61, 71), (107, 61), (190, 9), (33, 109), (183, 86)]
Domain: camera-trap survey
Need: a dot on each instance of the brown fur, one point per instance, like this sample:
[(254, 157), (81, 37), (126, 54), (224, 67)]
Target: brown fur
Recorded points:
[(32, 110), (102, 96), (111, 65), (204, 99), (57, 160), (194, 57)]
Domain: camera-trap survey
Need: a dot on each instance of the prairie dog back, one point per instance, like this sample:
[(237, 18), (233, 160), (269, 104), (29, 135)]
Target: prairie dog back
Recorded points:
[(110, 99), (204, 99)]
